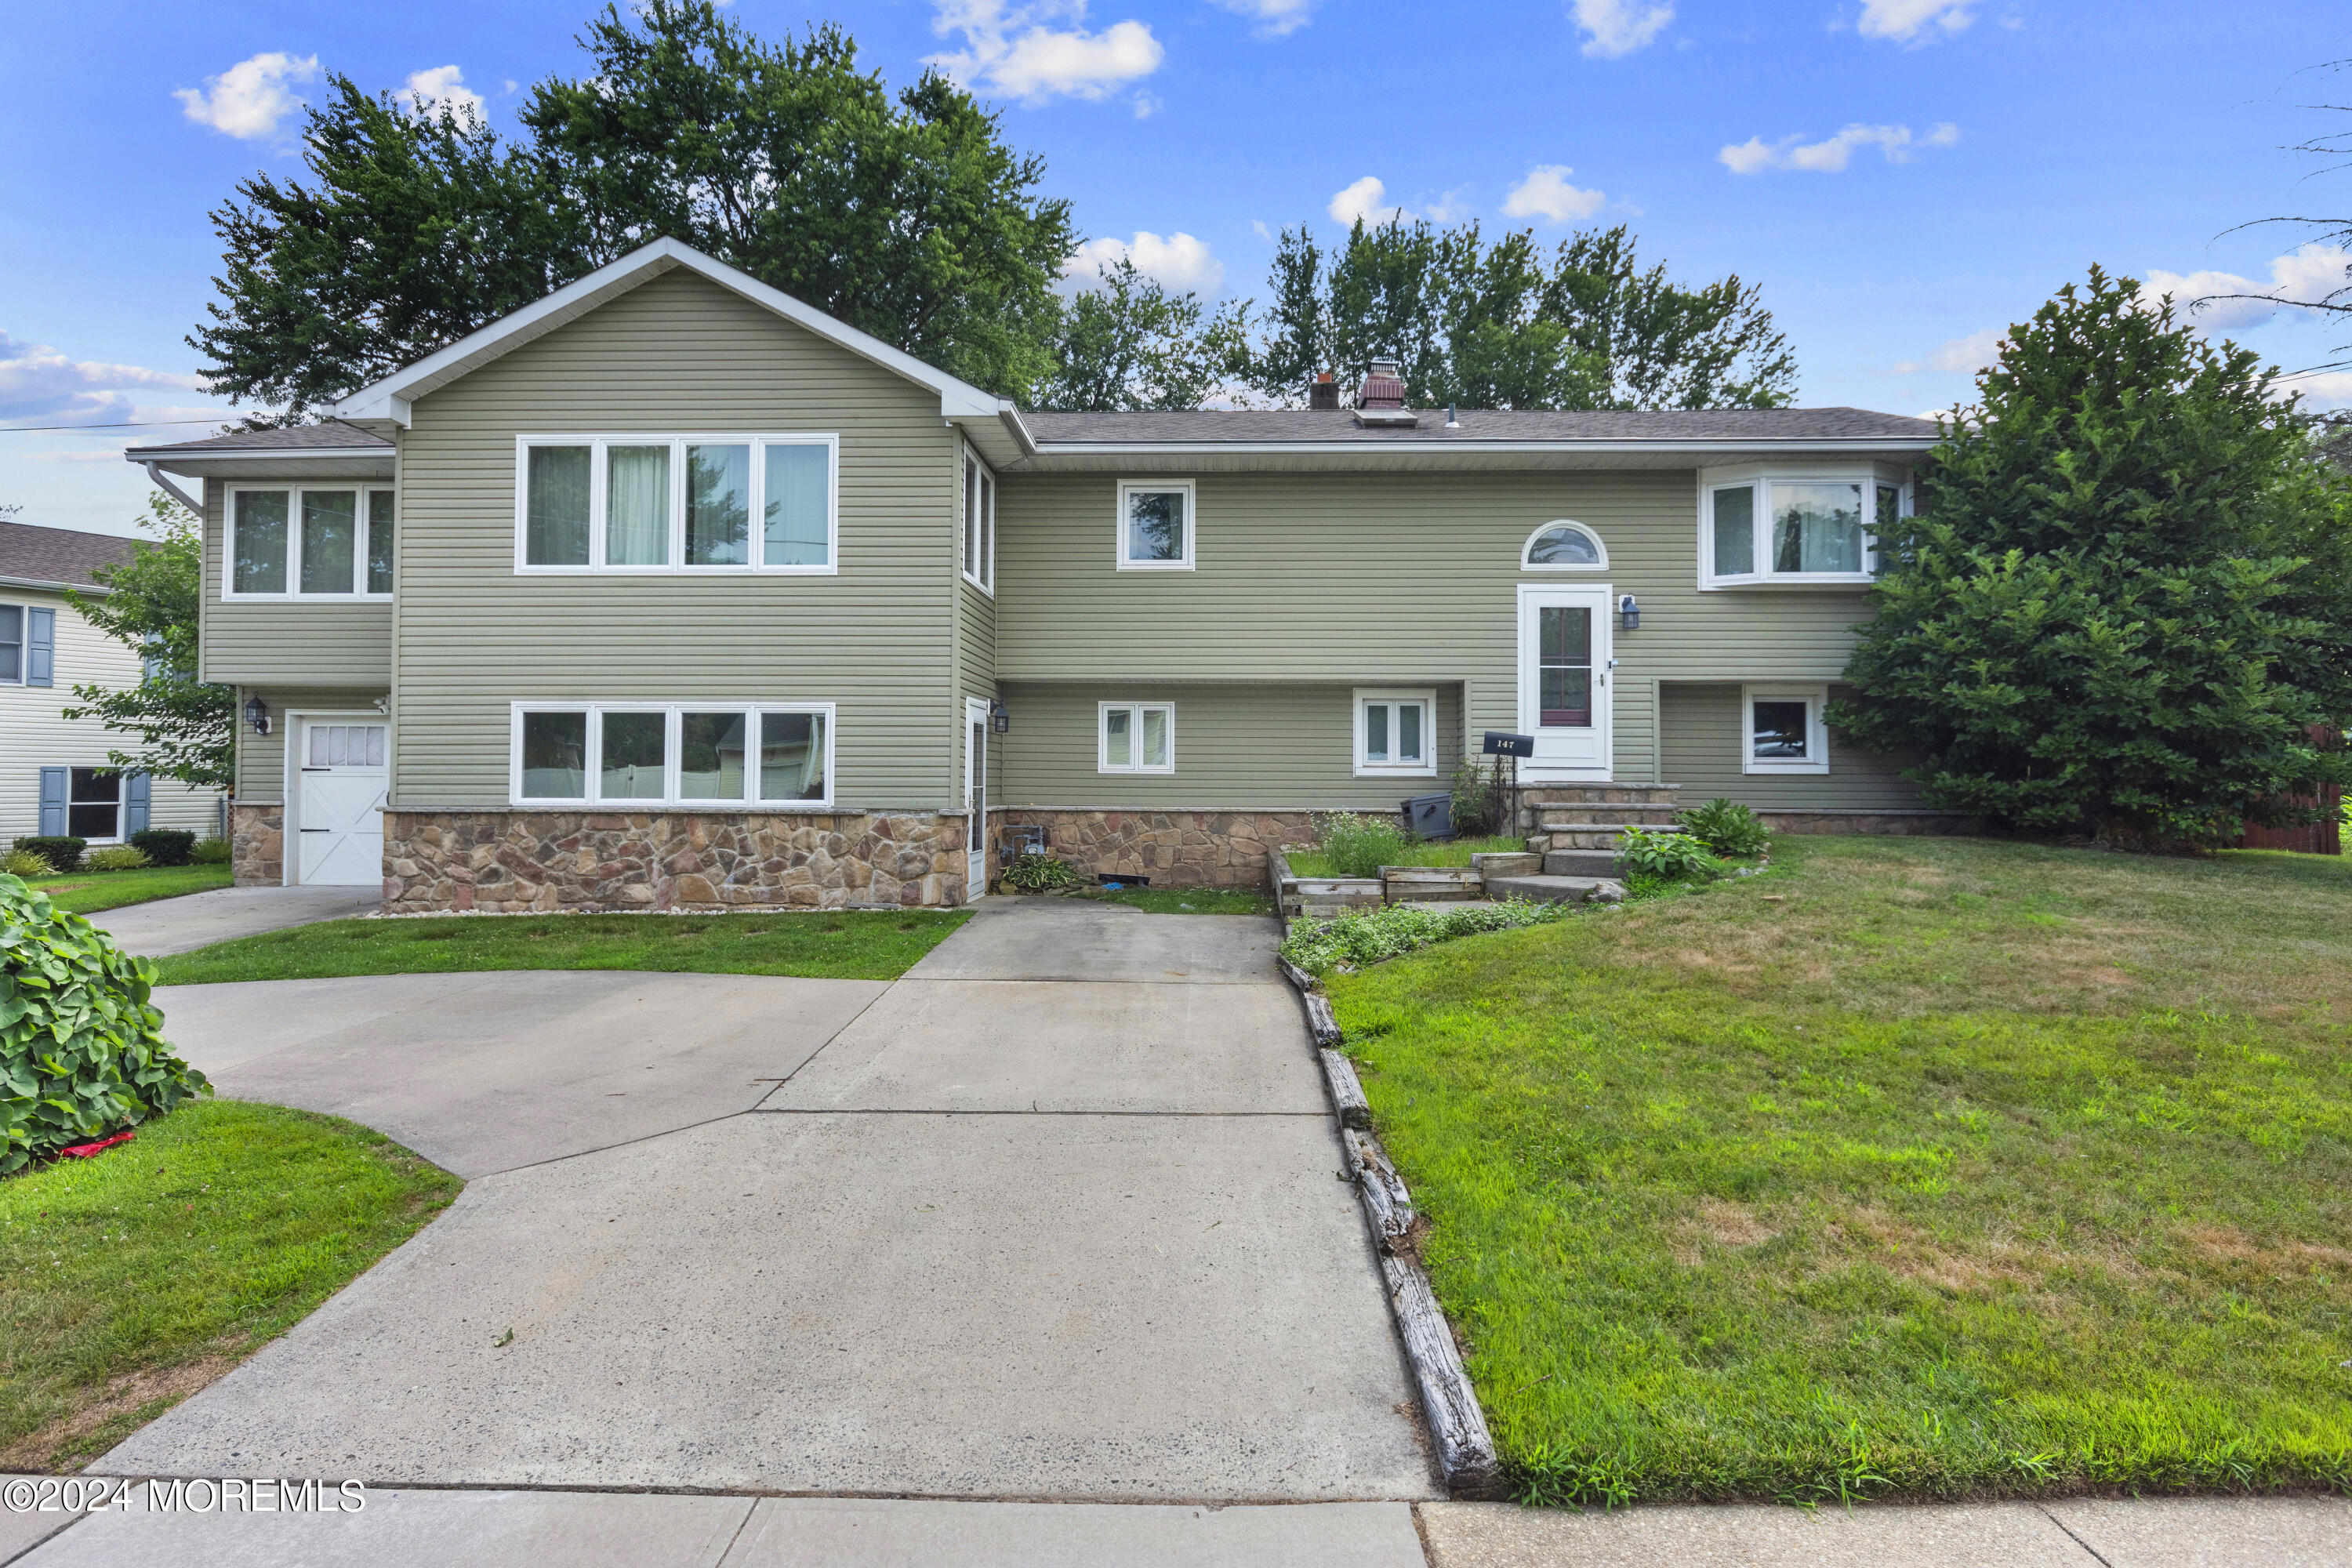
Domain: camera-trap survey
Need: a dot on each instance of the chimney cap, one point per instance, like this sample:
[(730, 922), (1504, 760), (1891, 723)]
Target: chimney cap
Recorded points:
[(1383, 388)]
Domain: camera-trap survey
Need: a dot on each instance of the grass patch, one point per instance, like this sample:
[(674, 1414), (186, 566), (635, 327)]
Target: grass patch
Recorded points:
[(1910, 1166), (847, 944), (1186, 901), (1441, 852), (86, 892), (129, 1281)]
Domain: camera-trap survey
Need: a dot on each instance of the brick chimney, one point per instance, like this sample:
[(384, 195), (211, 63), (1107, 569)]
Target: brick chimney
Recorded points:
[(1323, 391), (1383, 388)]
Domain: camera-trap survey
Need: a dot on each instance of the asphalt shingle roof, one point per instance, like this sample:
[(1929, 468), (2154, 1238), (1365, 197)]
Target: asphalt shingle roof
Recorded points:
[(1218, 426), (333, 435), (57, 554)]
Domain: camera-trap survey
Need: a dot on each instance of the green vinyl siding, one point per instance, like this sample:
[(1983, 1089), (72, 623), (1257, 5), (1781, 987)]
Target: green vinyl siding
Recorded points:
[(680, 354), (316, 642), (1235, 745), (1700, 739), (1394, 578), (261, 759)]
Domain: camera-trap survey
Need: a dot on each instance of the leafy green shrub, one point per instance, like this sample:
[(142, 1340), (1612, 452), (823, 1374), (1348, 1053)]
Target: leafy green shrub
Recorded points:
[(1479, 799), (209, 852), (26, 864), (165, 846), (1361, 937), (65, 854), (1728, 828), (1040, 874), (1356, 846), (115, 858), (81, 1051), (1666, 855)]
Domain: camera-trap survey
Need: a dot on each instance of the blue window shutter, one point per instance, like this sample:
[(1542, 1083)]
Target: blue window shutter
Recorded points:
[(137, 791), (41, 649), (54, 783)]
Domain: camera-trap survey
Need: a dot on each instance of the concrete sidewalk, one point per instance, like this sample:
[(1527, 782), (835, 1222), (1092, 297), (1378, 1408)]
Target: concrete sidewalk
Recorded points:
[(198, 919)]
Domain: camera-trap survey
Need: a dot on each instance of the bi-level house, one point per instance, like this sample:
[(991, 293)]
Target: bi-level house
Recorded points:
[(671, 591)]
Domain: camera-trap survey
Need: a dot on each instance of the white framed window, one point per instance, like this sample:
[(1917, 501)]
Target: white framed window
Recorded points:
[(695, 755), (1396, 733), (1563, 546), (309, 541), (94, 805), (1781, 729), (979, 524), (12, 644), (678, 504), (1155, 525), (1815, 526), (1135, 738)]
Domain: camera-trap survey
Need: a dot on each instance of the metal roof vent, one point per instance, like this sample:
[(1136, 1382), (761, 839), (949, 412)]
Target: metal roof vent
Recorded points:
[(1382, 399)]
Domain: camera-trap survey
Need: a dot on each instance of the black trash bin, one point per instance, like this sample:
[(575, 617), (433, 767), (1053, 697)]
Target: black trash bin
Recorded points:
[(1430, 816)]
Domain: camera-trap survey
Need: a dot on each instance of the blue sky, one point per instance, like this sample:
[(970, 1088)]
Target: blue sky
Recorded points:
[(1903, 177)]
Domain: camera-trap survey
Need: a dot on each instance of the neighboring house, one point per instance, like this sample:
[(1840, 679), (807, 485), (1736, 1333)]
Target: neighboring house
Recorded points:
[(671, 591), (54, 777)]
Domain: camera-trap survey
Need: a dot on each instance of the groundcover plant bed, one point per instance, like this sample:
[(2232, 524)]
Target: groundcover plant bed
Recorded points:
[(1923, 1167), (1362, 937)]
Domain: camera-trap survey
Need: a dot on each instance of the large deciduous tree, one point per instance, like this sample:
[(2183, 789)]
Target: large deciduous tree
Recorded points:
[(1130, 344), (2125, 606)]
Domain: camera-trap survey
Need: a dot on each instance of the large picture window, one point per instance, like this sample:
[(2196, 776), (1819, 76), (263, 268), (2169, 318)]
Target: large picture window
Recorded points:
[(1155, 525), (678, 503), (1135, 738), (1760, 527), (689, 754), (1395, 734), (323, 541)]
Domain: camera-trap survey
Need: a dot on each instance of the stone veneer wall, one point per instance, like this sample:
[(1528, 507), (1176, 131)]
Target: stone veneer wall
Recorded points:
[(519, 861), (1900, 823), (1174, 849), (256, 844)]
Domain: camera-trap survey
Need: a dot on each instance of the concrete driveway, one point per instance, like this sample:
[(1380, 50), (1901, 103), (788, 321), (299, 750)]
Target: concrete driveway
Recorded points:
[(1016, 1227), (198, 919)]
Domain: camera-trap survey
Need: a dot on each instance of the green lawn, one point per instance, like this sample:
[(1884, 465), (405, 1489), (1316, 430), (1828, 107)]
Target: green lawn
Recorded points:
[(86, 892), (1934, 1167), (130, 1281), (1446, 852), (852, 944)]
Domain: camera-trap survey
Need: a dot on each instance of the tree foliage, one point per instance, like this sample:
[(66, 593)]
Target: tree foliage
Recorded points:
[(1505, 325), (2126, 599), (1129, 343), (909, 218), (186, 729)]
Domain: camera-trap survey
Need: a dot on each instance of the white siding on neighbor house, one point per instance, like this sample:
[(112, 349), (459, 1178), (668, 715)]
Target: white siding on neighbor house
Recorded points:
[(35, 735)]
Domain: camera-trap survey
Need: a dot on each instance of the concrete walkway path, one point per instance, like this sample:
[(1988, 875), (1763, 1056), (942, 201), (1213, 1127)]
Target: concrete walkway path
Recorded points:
[(994, 1235), (198, 919)]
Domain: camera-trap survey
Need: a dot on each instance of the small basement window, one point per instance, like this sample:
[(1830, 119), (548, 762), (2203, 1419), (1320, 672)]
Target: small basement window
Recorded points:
[(1137, 738), (1795, 528), (1394, 733), (1781, 729)]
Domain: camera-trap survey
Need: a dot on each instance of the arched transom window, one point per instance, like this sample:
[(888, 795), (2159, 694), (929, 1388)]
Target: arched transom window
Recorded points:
[(1564, 546)]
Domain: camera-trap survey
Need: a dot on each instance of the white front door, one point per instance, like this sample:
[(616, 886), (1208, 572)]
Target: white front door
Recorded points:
[(339, 807), (975, 796), (1564, 680)]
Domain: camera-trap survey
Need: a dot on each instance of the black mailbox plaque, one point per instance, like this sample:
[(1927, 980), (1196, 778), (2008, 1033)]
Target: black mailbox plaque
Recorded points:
[(1500, 743)]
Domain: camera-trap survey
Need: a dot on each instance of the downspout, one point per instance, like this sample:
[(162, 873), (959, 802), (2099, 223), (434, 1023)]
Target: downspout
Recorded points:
[(162, 481)]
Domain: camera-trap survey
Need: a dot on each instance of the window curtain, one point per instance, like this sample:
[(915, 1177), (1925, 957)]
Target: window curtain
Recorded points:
[(260, 541), (637, 506), (331, 526), (1816, 528), (557, 534)]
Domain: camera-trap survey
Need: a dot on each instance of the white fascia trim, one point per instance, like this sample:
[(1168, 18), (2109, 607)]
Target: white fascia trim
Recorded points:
[(261, 455), (1423, 448), (46, 586), (389, 398)]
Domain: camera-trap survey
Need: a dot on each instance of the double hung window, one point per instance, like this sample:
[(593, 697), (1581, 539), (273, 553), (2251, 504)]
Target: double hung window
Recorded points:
[(678, 503), (979, 525), (1794, 528), (1155, 525), (1394, 732), (710, 754), (323, 541), (1782, 731), (1137, 738), (12, 644)]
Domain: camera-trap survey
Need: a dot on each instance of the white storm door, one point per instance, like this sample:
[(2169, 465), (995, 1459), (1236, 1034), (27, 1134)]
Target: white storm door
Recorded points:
[(975, 798), (340, 813), (1564, 680)]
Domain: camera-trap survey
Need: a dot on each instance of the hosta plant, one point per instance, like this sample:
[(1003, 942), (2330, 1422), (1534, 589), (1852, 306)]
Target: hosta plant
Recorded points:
[(1665, 855), (82, 1053), (1726, 828)]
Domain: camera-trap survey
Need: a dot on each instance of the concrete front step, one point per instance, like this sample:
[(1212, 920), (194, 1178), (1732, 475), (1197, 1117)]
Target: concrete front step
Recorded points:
[(1581, 863), (1548, 890)]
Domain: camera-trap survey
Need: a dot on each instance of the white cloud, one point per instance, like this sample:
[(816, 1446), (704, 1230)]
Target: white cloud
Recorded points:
[(1258, 226), (2307, 274), (1012, 50), (1964, 356), (442, 85), (38, 386), (1618, 27), (1894, 143), (1912, 21), (1179, 262), (1451, 208), (250, 98), (1273, 17), (1546, 193), (2322, 389), (1366, 199)]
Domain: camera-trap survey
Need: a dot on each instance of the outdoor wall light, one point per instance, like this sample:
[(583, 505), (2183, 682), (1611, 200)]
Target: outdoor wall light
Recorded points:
[(1630, 613), (256, 715), (999, 719)]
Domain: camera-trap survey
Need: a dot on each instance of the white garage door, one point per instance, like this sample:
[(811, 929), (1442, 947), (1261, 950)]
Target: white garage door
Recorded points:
[(341, 812)]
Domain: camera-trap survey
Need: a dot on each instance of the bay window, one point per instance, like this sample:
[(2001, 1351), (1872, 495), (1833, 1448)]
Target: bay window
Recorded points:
[(678, 503), (1774, 527), (680, 754), (310, 542)]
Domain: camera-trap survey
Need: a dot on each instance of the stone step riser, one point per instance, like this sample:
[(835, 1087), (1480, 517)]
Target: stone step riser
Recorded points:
[(1594, 836), (1601, 795), (1616, 814)]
